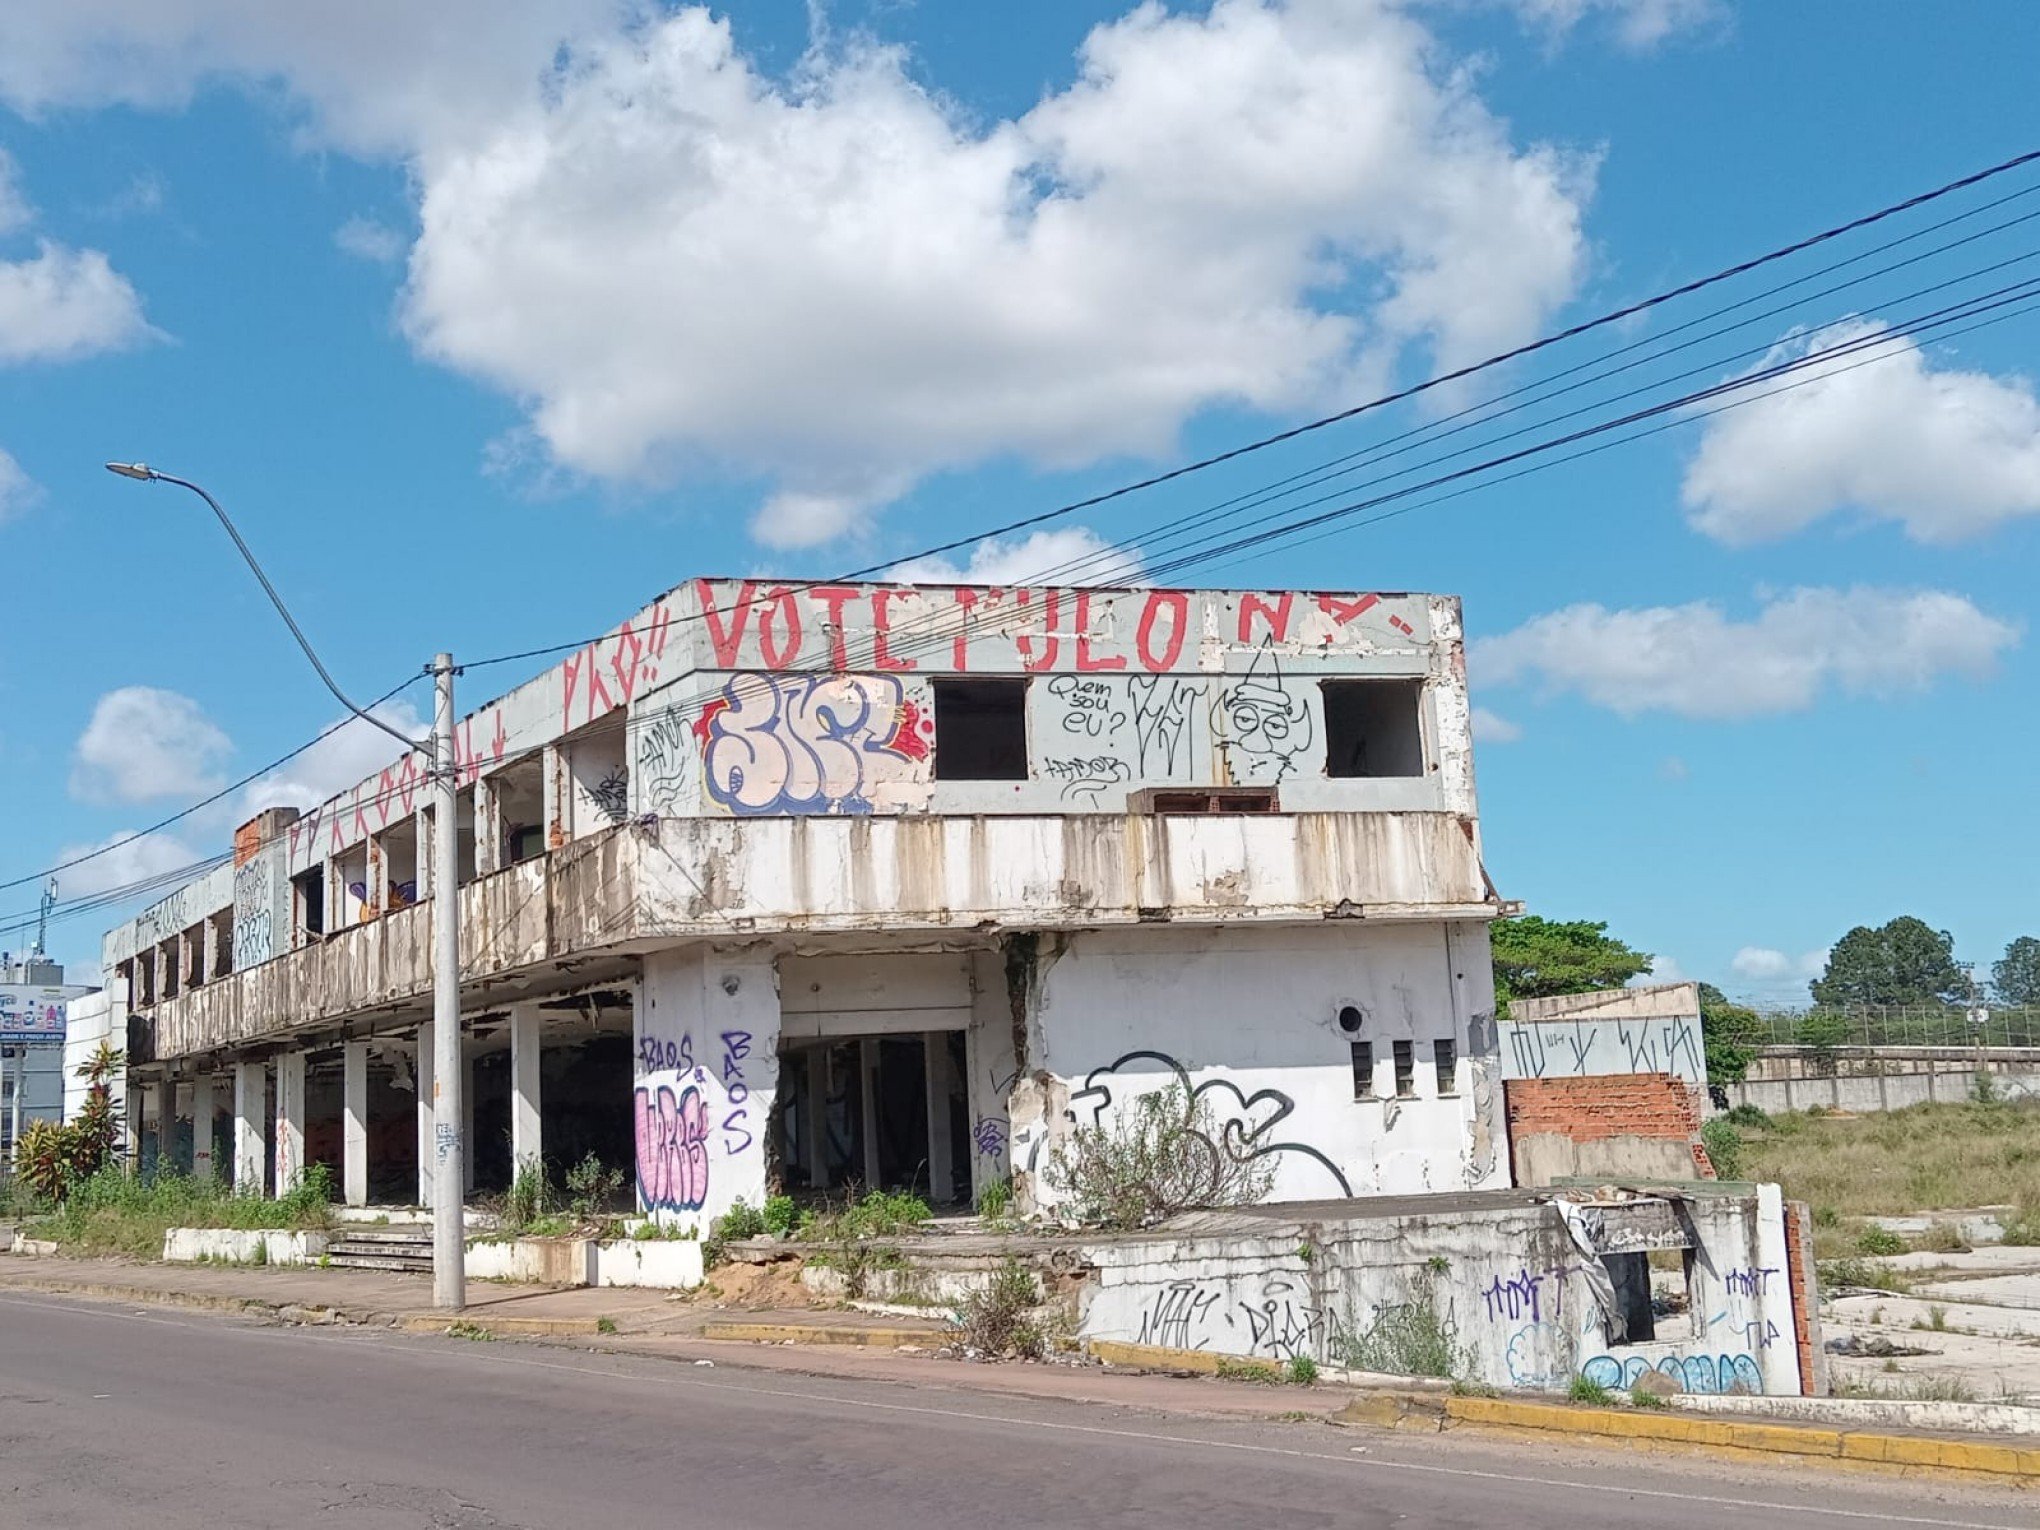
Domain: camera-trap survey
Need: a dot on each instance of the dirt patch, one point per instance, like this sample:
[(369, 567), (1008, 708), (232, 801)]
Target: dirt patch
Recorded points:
[(760, 1287)]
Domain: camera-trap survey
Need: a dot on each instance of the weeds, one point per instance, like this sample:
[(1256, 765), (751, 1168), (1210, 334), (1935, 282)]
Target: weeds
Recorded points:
[(1724, 1146), (995, 1201), (997, 1320), (1258, 1371), (1413, 1339), (530, 1196), (1301, 1371), (605, 1325), (1879, 1241), (113, 1212), (1913, 1389), (782, 1217), (592, 1188), (1647, 1400), (462, 1328), (1163, 1153), (1836, 1273), (1589, 1393)]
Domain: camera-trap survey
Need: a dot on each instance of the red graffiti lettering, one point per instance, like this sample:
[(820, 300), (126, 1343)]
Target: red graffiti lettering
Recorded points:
[(1274, 612), (779, 629), (623, 660), (881, 630), (959, 646), (655, 630), (1085, 659), (1177, 604), (833, 598), (1051, 609), (725, 639), (1343, 611)]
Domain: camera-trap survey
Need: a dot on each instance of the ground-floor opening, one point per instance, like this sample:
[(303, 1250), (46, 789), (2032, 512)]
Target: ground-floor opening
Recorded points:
[(877, 1112)]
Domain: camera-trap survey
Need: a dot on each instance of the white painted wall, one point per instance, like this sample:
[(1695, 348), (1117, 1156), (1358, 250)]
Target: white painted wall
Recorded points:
[(1248, 1019)]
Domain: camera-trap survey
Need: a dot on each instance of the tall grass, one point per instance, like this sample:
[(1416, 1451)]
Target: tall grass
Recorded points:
[(1891, 1163), (114, 1212)]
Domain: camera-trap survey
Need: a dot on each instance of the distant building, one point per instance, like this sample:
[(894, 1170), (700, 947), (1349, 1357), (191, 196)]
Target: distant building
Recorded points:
[(34, 1002)]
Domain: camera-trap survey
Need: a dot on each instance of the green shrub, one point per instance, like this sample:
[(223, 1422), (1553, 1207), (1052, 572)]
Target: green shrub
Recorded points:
[(1747, 1116), (592, 1186), (1413, 1339), (530, 1196), (995, 1200), (996, 1318), (1301, 1371), (1590, 1393), (1879, 1242), (1160, 1154), (1724, 1146), (782, 1216)]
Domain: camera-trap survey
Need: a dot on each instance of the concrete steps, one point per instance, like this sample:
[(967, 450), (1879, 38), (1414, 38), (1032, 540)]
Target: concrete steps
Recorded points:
[(383, 1248)]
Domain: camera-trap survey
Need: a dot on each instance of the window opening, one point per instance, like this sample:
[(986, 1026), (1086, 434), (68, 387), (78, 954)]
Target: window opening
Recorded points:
[(1405, 1069), (1445, 1055), (980, 730), (1363, 1070), (1373, 728)]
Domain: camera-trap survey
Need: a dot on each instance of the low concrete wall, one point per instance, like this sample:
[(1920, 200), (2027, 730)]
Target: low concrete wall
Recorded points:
[(1904, 1083), (233, 1245), (671, 1263), (1502, 1284), (534, 1261)]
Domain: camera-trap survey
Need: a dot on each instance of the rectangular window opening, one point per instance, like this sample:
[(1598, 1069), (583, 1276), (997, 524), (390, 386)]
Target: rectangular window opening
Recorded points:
[(1653, 1294), (980, 730), (1405, 1069), (308, 900), (1374, 728), (1228, 799), (1363, 1070), (1445, 1055)]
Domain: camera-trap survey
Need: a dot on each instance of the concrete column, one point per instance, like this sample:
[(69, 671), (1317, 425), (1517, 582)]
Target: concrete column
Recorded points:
[(428, 1154), (818, 1117), (202, 1127), (354, 1123), (159, 1109), (556, 798), (488, 827), (941, 1171), (867, 1068), (527, 1143), (290, 1121), (425, 861), (251, 1139)]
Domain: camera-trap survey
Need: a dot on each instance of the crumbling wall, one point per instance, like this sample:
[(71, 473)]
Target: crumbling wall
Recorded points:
[(1635, 1126)]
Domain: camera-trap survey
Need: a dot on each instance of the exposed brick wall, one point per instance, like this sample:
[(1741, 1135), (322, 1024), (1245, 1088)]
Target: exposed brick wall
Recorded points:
[(1660, 1105), (1799, 1270)]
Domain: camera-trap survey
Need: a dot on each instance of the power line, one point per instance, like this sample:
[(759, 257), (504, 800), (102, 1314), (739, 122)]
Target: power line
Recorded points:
[(223, 792), (1613, 316)]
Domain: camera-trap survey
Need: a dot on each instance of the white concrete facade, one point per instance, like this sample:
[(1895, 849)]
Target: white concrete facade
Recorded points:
[(896, 885)]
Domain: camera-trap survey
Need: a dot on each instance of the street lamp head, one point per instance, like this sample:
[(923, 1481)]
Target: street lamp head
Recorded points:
[(139, 470)]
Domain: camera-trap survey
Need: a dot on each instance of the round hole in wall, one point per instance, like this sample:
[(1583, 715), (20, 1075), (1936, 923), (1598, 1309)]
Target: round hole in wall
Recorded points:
[(1350, 1019)]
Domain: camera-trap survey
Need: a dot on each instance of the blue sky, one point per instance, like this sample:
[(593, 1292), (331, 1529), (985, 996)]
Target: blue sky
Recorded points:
[(488, 330)]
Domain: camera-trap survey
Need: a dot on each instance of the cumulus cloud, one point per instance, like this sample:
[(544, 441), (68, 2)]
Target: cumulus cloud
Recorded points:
[(351, 753), (1662, 969), (63, 304), (1945, 453), (1772, 973), (1063, 555), (1492, 728), (17, 490), (1696, 661), (366, 239), (842, 284), (143, 744), (1637, 24)]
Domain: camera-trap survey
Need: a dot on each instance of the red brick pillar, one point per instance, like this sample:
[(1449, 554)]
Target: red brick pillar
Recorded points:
[(1805, 1299)]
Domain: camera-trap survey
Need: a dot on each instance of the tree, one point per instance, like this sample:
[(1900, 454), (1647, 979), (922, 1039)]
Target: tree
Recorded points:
[(1535, 957), (1731, 1034), (52, 1159), (2015, 977), (1903, 962)]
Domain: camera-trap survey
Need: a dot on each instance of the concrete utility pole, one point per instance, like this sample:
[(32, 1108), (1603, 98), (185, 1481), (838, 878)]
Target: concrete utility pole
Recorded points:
[(449, 1178), (449, 1244)]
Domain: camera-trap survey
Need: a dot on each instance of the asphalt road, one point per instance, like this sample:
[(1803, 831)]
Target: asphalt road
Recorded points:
[(113, 1417)]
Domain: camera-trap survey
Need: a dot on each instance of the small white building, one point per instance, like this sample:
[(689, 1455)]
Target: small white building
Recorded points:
[(812, 886), (34, 1000)]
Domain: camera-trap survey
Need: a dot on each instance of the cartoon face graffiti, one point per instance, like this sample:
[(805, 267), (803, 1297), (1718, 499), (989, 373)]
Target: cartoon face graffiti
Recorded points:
[(1264, 728)]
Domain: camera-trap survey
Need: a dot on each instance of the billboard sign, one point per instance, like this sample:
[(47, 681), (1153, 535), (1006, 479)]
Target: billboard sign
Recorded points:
[(31, 1013)]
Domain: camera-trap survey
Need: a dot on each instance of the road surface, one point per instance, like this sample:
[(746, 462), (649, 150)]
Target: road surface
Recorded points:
[(113, 1417)]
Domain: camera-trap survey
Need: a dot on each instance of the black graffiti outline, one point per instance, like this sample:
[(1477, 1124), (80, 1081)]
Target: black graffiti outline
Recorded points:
[(1236, 1142)]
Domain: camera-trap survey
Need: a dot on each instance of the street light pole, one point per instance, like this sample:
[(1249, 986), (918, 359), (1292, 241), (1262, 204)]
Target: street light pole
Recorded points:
[(449, 1176), (449, 1245)]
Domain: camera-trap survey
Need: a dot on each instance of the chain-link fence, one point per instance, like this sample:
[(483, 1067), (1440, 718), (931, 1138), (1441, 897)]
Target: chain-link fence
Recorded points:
[(1825, 1028)]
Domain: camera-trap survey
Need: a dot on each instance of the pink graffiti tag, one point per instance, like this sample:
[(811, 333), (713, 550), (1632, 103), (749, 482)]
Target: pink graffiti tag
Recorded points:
[(672, 1149)]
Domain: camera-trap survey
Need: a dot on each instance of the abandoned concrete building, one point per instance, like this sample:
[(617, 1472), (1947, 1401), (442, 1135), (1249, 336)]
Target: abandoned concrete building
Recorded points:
[(873, 885)]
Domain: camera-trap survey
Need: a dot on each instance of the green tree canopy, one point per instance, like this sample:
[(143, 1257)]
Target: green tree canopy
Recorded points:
[(1535, 957), (1730, 1032), (1904, 962), (2015, 976)]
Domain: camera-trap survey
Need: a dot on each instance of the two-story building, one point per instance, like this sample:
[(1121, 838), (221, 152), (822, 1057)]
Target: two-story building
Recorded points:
[(880, 885)]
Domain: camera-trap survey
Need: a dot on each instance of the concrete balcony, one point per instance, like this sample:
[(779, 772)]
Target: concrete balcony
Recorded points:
[(577, 916)]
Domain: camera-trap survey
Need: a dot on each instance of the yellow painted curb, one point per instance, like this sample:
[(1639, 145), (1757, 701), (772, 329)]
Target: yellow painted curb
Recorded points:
[(1990, 1459), (819, 1333), (508, 1327), (1155, 1357)]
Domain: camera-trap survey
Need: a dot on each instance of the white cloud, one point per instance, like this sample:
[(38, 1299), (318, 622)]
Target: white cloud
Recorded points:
[(1064, 555), (1944, 453), (152, 855), (1773, 974), (64, 304), (143, 744), (17, 490), (1637, 24), (15, 212), (366, 239), (1672, 768), (1696, 661), (351, 753), (1663, 969), (1492, 728), (841, 283)]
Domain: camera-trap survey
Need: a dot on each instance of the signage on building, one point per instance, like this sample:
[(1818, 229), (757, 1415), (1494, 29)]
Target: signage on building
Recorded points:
[(31, 1013)]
